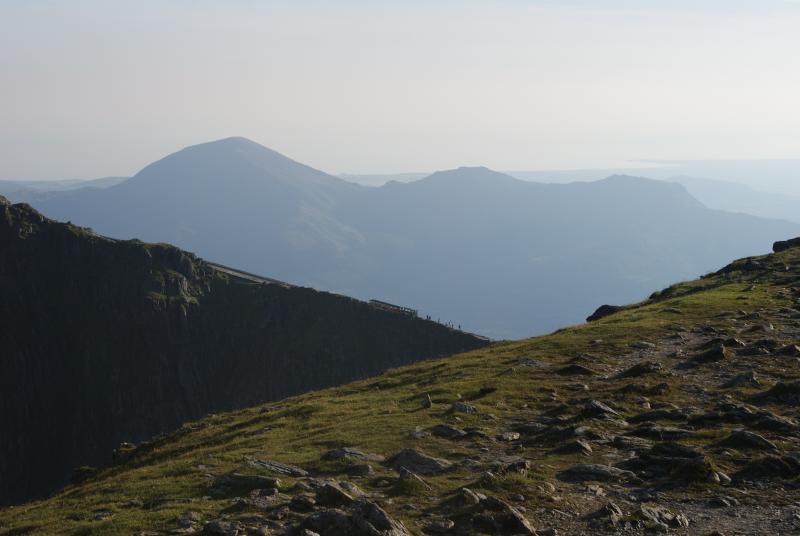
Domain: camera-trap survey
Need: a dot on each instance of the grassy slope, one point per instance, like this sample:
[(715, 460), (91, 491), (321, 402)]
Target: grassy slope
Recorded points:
[(377, 415)]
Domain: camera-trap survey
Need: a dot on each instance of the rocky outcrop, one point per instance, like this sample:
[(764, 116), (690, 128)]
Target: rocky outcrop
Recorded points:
[(783, 245), (603, 311), (104, 341)]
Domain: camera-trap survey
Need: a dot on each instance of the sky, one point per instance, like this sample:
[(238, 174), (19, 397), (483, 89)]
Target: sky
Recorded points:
[(95, 88)]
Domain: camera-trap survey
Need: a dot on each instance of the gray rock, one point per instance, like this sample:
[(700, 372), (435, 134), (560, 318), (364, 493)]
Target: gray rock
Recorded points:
[(463, 407), (418, 462), (468, 497), (631, 443), (440, 526), (714, 354), (579, 446), (374, 521), (575, 370), (607, 516), (662, 433), (746, 379), (658, 515), (350, 453), (640, 369), (361, 469), (603, 311), (769, 467), (303, 502), (508, 436), (447, 431), (510, 520), (331, 521), (332, 494), (223, 528), (743, 439), (408, 476), (280, 468), (595, 408), (593, 472)]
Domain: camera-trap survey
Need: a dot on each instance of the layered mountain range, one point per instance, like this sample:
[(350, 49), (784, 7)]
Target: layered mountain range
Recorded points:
[(500, 256), (105, 341)]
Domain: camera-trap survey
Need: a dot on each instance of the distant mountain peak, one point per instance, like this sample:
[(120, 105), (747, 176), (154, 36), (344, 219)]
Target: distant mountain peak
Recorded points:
[(470, 174), (226, 159)]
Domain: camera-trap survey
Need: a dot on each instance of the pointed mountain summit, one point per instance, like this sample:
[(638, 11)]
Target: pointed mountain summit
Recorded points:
[(248, 200), (232, 159)]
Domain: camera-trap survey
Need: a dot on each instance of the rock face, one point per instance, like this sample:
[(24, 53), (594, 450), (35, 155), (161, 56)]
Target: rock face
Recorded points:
[(783, 245), (106, 341), (603, 311)]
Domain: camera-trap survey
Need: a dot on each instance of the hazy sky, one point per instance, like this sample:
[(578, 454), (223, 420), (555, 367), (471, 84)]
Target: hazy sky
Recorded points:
[(92, 88)]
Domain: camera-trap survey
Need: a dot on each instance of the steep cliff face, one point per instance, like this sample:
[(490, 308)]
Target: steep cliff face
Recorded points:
[(103, 341)]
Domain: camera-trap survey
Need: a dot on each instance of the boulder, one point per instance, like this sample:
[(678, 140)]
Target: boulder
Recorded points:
[(583, 472), (463, 407), (418, 462), (448, 432), (595, 408), (608, 516), (672, 461), (661, 414), (659, 517), (603, 311), (237, 483), (330, 522), (280, 468), (745, 379), (332, 494), (781, 393), (579, 446), (223, 528), (743, 439), (350, 453), (716, 353), (507, 518), (769, 467), (662, 433), (374, 521), (303, 502), (640, 369), (439, 526), (575, 370), (783, 245)]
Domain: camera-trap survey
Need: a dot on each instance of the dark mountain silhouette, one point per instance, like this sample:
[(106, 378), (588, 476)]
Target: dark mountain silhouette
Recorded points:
[(104, 341), (501, 256)]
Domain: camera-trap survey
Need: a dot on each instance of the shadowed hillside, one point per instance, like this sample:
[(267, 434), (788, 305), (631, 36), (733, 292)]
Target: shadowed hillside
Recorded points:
[(106, 341)]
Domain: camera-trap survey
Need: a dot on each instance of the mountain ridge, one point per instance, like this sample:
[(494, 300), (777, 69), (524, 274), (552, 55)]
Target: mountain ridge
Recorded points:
[(107, 341), (550, 251)]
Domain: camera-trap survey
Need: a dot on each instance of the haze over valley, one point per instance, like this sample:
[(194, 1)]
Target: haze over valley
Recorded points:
[(499, 256), (454, 268)]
